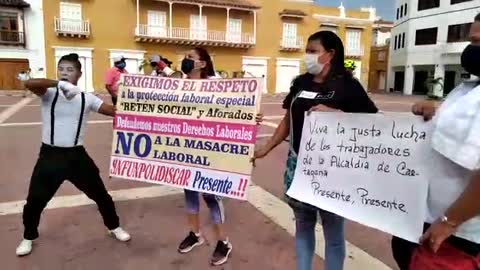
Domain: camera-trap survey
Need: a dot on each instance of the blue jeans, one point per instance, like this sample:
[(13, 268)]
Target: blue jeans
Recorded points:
[(333, 231), (214, 203)]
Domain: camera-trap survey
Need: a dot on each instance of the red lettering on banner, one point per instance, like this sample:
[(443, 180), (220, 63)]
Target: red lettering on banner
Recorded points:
[(152, 172), (124, 167), (204, 86), (228, 84), (115, 168)]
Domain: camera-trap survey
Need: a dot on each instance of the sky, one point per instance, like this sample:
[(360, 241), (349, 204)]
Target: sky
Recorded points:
[(385, 8)]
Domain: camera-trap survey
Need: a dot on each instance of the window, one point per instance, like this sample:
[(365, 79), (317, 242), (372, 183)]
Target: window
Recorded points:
[(458, 32), (71, 17), (426, 36), (157, 23), (354, 42), (403, 40), (401, 11), (10, 28), (198, 27), (133, 66), (290, 35), (235, 30), (405, 10), (395, 44), (398, 13), (428, 4), (70, 11), (453, 2)]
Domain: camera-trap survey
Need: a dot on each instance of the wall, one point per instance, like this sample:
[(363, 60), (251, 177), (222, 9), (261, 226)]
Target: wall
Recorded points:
[(108, 33)]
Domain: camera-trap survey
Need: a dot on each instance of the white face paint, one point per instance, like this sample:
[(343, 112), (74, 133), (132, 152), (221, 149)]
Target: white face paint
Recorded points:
[(66, 71)]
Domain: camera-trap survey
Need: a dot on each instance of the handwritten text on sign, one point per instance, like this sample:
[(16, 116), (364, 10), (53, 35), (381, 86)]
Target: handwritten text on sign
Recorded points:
[(367, 168), (192, 134)]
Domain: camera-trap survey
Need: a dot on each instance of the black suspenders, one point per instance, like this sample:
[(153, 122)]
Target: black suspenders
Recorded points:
[(52, 119), (80, 119)]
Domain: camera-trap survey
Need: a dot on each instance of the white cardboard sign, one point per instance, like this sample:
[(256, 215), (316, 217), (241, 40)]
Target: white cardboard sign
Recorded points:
[(369, 168)]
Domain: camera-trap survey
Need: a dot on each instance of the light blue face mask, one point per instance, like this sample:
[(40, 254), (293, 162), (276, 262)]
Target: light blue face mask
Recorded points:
[(120, 65)]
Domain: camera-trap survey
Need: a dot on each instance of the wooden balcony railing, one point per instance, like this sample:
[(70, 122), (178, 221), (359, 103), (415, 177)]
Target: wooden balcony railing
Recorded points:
[(178, 35), (354, 52), (70, 27), (12, 37), (292, 44)]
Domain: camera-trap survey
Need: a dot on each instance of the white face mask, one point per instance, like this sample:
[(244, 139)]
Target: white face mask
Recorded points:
[(312, 65)]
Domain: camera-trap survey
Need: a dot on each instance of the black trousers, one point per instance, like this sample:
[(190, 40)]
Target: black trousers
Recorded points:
[(53, 167)]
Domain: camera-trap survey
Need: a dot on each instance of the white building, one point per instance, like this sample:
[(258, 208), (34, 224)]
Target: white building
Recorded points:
[(427, 41), (22, 43)]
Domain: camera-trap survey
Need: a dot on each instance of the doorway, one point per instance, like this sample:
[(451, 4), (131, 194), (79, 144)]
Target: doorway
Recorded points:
[(449, 82), (419, 87), (399, 81)]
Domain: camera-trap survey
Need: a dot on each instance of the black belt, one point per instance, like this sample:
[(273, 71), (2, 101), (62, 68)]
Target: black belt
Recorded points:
[(50, 148)]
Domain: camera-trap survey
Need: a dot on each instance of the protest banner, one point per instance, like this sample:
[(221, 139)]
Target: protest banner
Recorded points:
[(192, 134), (366, 168)]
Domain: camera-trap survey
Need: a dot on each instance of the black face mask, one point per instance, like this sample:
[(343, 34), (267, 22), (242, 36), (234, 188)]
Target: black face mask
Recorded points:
[(471, 59), (187, 65)]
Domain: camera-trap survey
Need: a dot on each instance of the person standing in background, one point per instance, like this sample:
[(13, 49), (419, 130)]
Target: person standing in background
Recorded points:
[(112, 79), (161, 66)]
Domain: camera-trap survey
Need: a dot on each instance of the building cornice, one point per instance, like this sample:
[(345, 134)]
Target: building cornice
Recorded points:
[(338, 19)]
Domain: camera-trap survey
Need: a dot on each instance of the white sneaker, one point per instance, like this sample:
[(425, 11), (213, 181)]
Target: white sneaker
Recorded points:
[(120, 234), (25, 247)]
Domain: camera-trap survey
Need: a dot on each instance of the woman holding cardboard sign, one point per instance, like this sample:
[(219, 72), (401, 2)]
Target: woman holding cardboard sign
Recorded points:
[(198, 65), (327, 87)]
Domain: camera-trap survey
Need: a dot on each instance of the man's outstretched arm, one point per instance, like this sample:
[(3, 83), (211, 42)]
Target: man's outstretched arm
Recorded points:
[(39, 86)]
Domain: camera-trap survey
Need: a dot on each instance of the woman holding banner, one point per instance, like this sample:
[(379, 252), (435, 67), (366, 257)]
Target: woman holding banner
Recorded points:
[(197, 65), (326, 87), (452, 233)]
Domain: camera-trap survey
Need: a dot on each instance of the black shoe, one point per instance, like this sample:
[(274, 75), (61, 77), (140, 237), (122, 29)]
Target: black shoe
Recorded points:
[(221, 253), (190, 242)]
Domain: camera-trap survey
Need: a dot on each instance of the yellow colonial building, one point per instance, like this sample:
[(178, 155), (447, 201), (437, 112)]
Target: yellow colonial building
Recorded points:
[(259, 38)]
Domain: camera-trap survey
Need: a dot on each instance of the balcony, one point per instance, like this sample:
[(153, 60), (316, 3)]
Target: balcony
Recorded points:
[(196, 37), (292, 44), (72, 28), (354, 52), (15, 38)]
